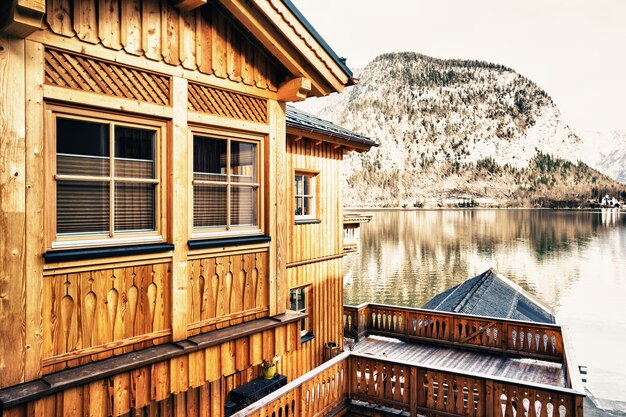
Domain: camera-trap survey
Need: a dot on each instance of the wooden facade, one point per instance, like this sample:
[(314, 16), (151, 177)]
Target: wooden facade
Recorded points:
[(168, 319)]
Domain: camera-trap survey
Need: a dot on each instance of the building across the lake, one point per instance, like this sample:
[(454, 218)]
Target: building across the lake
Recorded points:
[(171, 231)]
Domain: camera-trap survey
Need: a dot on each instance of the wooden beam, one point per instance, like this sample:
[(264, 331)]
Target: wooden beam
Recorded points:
[(189, 4), (294, 90), (20, 18)]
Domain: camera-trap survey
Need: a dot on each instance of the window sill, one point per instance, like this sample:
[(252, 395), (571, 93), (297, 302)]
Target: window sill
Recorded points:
[(81, 254), (307, 337), (308, 221), (228, 241)]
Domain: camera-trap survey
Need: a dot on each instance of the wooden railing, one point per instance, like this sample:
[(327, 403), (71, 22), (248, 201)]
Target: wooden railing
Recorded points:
[(358, 380), (510, 337), (422, 390), (315, 393)]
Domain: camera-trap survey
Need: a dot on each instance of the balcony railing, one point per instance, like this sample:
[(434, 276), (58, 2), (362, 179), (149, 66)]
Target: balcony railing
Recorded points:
[(510, 337), (353, 379), (357, 380)]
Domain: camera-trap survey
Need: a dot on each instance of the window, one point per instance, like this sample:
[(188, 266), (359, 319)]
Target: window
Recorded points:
[(226, 184), (305, 195), (298, 302), (106, 180)]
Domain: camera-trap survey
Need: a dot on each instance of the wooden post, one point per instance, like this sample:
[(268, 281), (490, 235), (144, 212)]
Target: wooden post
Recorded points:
[(489, 405), (35, 202), (277, 208), (413, 389), (179, 208), (12, 211)]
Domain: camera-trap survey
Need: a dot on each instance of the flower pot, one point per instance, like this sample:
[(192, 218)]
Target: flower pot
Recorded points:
[(269, 372)]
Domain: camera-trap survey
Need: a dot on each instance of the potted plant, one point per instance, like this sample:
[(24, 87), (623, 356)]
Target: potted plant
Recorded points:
[(268, 367)]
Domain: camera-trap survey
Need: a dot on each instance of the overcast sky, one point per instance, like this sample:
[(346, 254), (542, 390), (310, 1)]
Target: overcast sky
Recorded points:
[(574, 49)]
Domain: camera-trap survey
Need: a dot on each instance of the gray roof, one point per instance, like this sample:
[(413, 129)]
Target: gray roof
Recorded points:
[(489, 294), (301, 120)]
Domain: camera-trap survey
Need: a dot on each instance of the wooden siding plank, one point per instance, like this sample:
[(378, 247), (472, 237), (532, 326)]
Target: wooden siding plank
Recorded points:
[(12, 211)]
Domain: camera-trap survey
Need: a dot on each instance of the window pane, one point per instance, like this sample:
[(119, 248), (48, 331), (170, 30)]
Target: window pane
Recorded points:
[(82, 207), (299, 206), (308, 206), (82, 147), (134, 152), (209, 159), (243, 161), (209, 206), (299, 185), (134, 207), (293, 300), (243, 206)]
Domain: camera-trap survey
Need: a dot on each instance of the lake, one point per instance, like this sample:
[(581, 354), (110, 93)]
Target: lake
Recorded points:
[(574, 261)]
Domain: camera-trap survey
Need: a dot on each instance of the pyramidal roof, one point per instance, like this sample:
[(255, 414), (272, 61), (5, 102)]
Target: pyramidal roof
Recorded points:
[(492, 295)]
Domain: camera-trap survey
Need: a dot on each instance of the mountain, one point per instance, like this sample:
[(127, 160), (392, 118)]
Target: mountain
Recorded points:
[(457, 132), (606, 151)]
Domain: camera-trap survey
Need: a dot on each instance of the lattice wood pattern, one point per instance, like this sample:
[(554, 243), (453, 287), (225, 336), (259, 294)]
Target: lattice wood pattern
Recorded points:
[(205, 99), (71, 70)]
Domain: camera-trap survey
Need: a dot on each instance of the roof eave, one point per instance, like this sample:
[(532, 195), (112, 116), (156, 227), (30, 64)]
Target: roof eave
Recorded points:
[(291, 39)]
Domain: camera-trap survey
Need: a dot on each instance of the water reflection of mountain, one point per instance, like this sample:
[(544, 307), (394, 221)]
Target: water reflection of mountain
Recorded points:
[(407, 257)]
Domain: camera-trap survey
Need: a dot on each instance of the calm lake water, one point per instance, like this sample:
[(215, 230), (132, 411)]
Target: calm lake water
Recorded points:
[(574, 261)]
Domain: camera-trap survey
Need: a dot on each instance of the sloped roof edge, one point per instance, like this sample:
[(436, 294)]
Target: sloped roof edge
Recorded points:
[(341, 62), (301, 120)]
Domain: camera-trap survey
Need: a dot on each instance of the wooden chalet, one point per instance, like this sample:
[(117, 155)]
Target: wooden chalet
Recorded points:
[(167, 223), (164, 226)]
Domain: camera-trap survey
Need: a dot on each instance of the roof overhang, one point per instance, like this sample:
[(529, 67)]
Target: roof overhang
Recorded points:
[(288, 36)]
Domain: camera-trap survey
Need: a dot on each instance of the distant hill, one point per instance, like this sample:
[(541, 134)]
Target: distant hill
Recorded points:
[(456, 132)]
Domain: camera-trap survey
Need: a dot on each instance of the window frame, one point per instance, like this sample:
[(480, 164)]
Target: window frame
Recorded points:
[(53, 240), (198, 233), (306, 291), (312, 175)]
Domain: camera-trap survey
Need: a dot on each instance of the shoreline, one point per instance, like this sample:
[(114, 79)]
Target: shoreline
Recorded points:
[(586, 209)]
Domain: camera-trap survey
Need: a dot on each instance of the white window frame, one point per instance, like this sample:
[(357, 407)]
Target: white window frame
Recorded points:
[(228, 231), (68, 241), (313, 180), (305, 323)]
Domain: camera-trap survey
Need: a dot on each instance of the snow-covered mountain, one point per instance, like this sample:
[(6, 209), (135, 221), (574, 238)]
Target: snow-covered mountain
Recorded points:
[(606, 152), (453, 130)]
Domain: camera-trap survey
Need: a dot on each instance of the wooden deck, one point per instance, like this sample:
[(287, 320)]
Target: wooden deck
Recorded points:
[(465, 361)]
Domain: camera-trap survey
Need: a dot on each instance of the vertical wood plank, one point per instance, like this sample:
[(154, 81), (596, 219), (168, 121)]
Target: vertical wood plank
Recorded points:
[(35, 199), (188, 39), (12, 211), (170, 32), (85, 24), (131, 26), (109, 24), (151, 28), (178, 207), (218, 44), (59, 18)]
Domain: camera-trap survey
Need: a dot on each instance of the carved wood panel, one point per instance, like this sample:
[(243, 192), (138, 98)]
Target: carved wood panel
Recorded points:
[(227, 290), (93, 315)]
